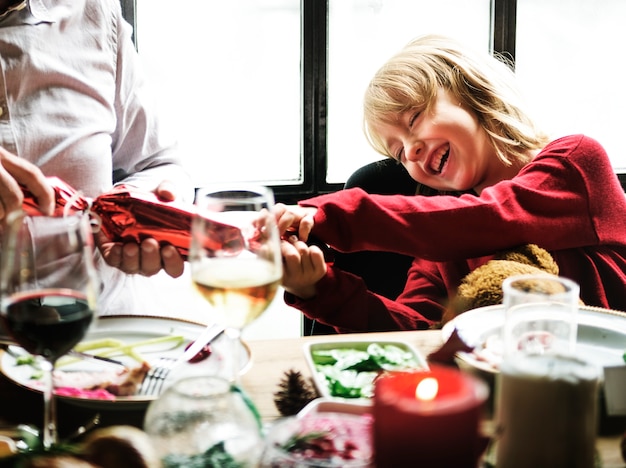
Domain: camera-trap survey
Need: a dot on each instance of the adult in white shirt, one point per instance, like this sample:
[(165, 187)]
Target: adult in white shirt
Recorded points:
[(74, 104)]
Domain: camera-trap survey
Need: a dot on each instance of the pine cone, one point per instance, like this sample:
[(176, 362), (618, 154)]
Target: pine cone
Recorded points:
[(294, 394)]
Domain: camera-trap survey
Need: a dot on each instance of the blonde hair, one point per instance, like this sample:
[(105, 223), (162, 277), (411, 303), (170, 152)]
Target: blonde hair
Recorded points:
[(483, 84)]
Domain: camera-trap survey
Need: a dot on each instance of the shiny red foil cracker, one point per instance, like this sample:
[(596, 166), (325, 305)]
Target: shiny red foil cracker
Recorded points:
[(66, 199), (128, 214)]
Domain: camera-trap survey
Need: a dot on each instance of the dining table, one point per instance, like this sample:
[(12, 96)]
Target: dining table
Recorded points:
[(271, 360)]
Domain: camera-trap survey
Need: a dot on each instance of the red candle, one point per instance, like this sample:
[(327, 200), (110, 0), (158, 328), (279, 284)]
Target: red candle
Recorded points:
[(428, 418)]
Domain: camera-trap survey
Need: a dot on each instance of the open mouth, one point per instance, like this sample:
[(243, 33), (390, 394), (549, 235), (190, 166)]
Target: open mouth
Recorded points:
[(439, 159)]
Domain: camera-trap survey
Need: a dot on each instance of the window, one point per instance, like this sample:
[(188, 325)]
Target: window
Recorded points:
[(228, 77), (568, 63), (269, 90), (362, 35)]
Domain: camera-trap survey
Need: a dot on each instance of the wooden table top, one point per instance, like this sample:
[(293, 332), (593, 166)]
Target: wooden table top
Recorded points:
[(271, 359)]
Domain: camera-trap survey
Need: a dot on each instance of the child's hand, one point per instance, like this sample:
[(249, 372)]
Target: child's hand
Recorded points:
[(295, 218), (303, 267)]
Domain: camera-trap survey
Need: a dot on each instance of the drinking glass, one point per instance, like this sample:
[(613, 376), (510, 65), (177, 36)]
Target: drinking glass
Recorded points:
[(204, 417), (48, 291), (546, 394), (235, 258), (540, 316)]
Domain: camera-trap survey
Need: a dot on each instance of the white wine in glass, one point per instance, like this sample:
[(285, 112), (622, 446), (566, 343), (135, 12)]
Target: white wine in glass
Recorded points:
[(235, 257)]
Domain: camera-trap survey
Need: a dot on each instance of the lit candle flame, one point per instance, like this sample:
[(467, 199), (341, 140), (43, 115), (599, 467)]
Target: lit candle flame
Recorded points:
[(427, 389)]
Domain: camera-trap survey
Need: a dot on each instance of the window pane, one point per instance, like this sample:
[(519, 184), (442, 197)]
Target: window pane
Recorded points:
[(363, 34), (228, 77), (569, 61)]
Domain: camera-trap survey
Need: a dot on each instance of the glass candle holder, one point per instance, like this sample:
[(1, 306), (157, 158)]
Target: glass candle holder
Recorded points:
[(199, 419), (319, 440)]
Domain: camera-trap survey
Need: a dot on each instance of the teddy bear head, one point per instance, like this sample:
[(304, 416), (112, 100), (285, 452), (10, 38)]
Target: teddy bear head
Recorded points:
[(483, 286)]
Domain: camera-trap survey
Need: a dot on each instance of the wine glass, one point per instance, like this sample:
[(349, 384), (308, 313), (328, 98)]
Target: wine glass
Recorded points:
[(235, 258), (48, 291), (202, 415)]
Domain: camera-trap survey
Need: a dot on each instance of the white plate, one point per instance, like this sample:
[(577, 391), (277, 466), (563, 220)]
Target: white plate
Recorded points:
[(601, 335), (131, 329), (319, 378)]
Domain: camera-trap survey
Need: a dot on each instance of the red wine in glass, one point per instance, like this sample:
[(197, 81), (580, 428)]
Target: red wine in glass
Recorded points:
[(48, 291), (47, 323)]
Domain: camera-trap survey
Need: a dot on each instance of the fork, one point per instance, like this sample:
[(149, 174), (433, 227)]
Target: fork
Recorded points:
[(154, 379)]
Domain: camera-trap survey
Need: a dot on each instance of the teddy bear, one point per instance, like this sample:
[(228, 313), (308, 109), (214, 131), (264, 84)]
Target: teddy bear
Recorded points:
[(483, 286)]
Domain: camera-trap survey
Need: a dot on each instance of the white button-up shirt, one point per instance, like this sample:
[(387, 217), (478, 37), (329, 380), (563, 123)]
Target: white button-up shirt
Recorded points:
[(74, 102), (73, 99)]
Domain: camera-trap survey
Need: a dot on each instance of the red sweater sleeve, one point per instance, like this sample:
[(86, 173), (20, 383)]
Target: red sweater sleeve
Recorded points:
[(558, 201), (344, 302)]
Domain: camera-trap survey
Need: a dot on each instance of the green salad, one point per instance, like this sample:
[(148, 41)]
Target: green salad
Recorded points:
[(350, 372)]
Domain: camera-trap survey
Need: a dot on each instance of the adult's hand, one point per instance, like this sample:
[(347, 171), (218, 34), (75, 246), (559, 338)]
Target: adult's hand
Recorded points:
[(15, 171), (148, 257)]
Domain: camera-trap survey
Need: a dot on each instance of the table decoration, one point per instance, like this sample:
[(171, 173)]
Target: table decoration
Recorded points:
[(546, 396), (428, 418), (294, 393)]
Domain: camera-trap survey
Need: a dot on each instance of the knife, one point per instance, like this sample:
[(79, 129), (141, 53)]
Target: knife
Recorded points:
[(209, 334)]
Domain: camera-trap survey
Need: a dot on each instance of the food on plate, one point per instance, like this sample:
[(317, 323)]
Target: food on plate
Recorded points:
[(120, 446), (350, 372), (83, 377), (86, 384), (490, 351), (102, 382), (201, 355), (109, 347)]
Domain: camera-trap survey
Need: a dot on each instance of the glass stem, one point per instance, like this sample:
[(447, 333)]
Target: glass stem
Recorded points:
[(234, 337), (49, 416)]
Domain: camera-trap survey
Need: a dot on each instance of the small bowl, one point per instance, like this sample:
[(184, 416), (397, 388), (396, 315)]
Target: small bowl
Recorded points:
[(319, 440), (320, 380)]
